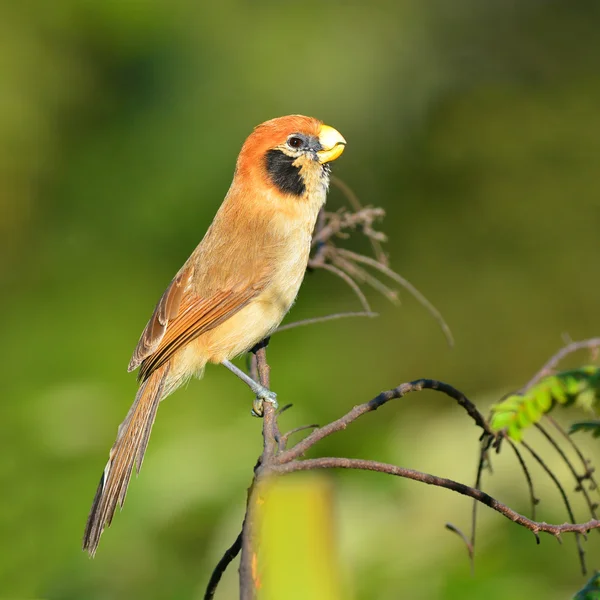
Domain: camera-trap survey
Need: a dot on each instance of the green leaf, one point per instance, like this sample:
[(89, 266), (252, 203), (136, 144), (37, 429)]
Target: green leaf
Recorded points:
[(592, 427), (591, 591), (518, 412)]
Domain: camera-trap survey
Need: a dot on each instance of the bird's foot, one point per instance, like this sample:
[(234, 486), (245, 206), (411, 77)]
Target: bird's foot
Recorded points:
[(263, 395)]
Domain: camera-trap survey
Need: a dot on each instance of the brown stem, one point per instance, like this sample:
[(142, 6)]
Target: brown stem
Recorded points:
[(270, 437), (461, 488), (414, 386)]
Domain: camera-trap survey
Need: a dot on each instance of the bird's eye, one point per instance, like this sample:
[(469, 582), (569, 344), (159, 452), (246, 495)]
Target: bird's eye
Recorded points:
[(295, 142)]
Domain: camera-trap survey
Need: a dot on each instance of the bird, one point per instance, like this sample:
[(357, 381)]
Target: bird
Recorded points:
[(232, 292)]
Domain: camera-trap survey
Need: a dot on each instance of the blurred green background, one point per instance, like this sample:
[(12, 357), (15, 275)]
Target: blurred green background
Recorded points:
[(476, 125)]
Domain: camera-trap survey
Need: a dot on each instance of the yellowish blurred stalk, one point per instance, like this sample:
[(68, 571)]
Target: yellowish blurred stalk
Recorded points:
[(294, 553)]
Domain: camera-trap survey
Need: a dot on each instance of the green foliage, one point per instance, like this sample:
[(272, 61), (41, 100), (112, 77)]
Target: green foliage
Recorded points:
[(519, 411), (592, 427), (591, 591)]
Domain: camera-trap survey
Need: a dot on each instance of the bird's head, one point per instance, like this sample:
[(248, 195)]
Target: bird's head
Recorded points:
[(292, 155)]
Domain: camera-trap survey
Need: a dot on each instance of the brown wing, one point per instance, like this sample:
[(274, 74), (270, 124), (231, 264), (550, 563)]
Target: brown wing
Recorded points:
[(166, 309), (181, 316)]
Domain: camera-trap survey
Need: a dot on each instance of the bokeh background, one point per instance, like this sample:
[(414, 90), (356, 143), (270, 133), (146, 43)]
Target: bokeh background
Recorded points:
[(474, 124)]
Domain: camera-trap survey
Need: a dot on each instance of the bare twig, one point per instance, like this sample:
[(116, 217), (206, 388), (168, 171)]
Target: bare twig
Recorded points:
[(347, 264), (339, 222), (588, 469), (316, 320), (355, 288), (414, 386), (285, 437), (486, 442), (362, 275), (548, 368), (532, 497), (405, 284), (356, 205), (222, 565), (467, 543), (461, 488), (565, 499), (578, 478)]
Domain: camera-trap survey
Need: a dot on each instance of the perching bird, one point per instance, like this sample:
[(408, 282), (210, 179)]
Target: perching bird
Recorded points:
[(233, 291)]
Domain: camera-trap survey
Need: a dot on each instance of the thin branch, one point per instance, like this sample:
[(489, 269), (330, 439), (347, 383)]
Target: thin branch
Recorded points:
[(467, 543), (285, 437), (371, 465), (589, 344), (315, 320), (414, 386), (345, 263), (357, 273), (578, 478), (340, 221), (437, 315), (486, 442), (355, 288), (532, 497), (565, 499), (347, 191), (357, 205), (588, 470), (222, 565)]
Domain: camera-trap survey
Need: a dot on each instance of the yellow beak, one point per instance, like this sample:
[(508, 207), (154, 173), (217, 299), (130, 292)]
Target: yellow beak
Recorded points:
[(333, 144)]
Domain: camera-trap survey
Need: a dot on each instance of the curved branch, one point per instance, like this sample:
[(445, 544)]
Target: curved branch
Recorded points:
[(222, 565), (585, 463), (532, 497), (548, 368), (565, 499), (578, 478), (342, 275), (419, 296), (405, 388), (461, 488)]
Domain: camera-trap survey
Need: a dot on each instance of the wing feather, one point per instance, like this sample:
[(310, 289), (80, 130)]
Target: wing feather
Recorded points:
[(181, 316), (166, 309)]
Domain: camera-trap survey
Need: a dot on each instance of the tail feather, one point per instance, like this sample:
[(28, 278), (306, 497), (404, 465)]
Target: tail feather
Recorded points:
[(127, 451)]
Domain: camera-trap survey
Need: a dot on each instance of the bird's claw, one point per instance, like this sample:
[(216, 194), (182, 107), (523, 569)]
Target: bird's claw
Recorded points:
[(263, 395)]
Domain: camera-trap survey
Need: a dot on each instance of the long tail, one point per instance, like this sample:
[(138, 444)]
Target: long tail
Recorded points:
[(128, 449)]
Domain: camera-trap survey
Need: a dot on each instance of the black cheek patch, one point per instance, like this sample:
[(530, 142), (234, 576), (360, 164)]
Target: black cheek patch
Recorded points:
[(284, 174)]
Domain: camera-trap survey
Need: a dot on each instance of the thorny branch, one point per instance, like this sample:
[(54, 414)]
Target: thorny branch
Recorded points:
[(278, 459)]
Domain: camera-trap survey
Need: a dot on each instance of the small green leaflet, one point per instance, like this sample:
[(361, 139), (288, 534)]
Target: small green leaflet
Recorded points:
[(592, 427), (591, 591), (519, 411)]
